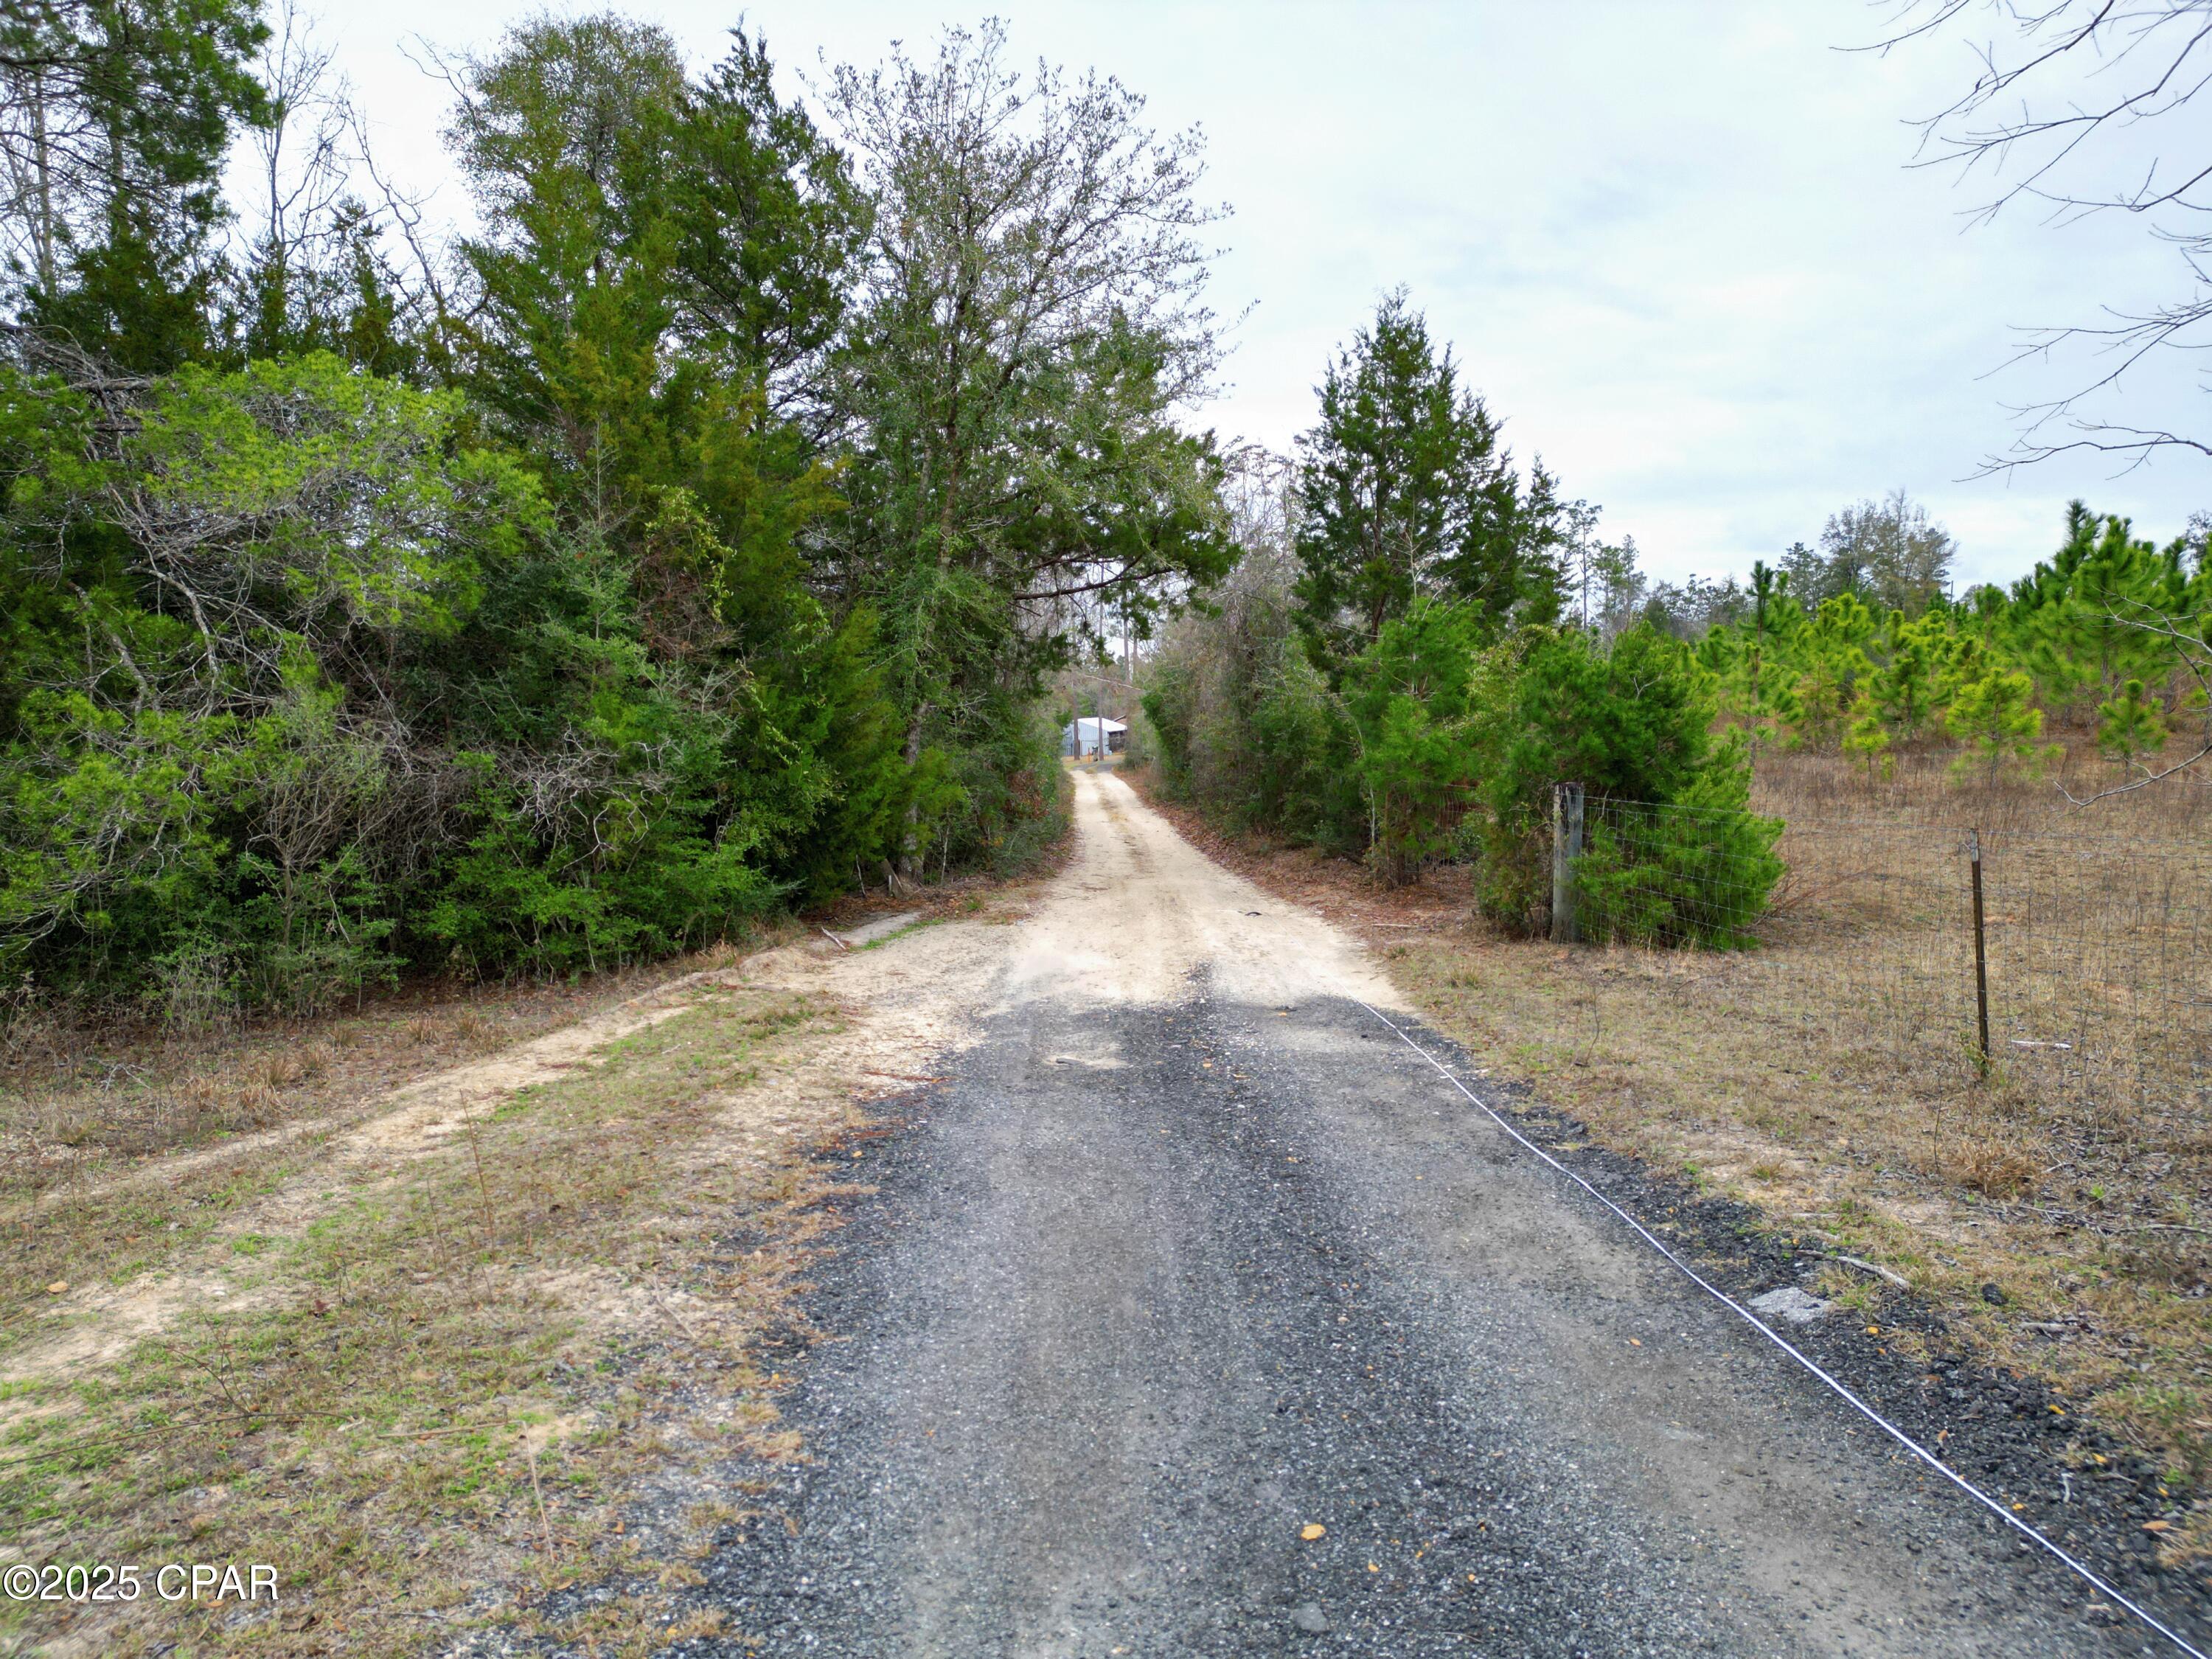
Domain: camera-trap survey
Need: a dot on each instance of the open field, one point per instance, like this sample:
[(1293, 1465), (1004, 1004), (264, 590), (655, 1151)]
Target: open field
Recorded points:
[(2056, 1213)]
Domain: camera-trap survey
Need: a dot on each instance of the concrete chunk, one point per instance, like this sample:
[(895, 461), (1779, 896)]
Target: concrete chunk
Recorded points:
[(1790, 1305)]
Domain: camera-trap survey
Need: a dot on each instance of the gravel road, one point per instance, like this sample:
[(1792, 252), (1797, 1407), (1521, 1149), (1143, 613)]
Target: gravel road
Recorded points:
[(1194, 1315)]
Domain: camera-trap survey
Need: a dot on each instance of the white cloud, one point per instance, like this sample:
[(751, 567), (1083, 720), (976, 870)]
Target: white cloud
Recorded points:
[(1674, 242)]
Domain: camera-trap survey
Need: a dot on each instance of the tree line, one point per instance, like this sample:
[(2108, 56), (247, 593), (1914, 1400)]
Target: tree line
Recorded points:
[(1420, 640), (1415, 648), (699, 534), (1861, 646), (694, 537)]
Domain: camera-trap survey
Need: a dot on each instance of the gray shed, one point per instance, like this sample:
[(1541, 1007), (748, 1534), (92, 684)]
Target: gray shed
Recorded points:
[(1091, 736)]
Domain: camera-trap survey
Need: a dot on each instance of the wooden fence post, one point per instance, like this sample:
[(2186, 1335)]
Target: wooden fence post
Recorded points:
[(1566, 847)]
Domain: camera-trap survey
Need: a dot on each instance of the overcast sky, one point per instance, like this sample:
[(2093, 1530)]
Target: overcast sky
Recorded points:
[(1676, 245)]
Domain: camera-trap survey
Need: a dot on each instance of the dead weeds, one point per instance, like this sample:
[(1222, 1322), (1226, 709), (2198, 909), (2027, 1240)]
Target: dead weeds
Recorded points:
[(122, 1147), (451, 1381), (87, 1094)]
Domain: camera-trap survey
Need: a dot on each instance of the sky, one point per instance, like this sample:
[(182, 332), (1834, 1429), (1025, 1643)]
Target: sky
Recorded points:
[(1677, 246)]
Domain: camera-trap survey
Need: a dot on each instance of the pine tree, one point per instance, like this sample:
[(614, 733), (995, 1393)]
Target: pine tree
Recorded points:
[(1405, 490), (1868, 737), (1994, 716), (2075, 617), (1905, 687), (2130, 723), (1830, 648)]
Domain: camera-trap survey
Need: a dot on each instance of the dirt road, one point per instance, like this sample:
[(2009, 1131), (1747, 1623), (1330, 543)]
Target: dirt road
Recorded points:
[(1194, 1315)]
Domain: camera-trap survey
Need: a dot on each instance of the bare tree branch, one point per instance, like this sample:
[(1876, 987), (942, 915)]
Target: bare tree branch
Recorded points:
[(2058, 84)]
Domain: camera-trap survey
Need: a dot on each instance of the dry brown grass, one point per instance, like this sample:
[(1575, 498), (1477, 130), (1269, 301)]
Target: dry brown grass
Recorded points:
[(466, 1386), (123, 1146), (434, 1360), (86, 1095), (2098, 933), (1830, 1076)]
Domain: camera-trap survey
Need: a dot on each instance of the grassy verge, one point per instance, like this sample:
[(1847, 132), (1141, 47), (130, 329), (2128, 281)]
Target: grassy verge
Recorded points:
[(89, 1094), (456, 1376), (123, 1146)]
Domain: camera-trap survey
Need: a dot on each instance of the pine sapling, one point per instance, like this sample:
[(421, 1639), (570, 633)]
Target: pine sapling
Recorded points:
[(2130, 724), (1995, 718), (1868, 737)]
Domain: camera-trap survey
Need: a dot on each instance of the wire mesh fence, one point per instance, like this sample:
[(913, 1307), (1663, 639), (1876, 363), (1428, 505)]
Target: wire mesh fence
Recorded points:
[(2092, 956), (2100, 970)]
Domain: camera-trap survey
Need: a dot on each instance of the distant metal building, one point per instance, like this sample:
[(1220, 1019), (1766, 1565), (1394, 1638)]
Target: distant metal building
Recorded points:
[(1092, 737)]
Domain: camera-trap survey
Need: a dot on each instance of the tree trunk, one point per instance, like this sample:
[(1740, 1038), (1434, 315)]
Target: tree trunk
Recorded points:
[(910, 842)]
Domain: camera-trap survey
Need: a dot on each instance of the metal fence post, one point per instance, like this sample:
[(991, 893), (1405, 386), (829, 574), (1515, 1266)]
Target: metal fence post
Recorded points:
[(1566, 847), (1981, 956)]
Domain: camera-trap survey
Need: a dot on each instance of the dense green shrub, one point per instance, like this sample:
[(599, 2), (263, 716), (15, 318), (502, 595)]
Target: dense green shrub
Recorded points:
[(1412, 699), (197, 810), (1246, 725), (1301, 780), (1440, 745), (1630, 722), (1699, 870)]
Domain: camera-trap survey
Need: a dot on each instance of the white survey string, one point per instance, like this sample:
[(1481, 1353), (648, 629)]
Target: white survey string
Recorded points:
[(2087, 1575)]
